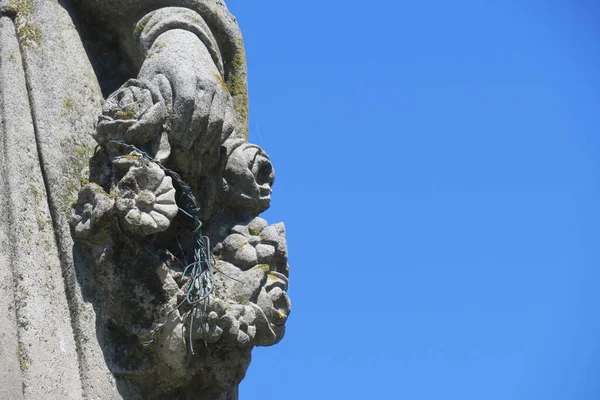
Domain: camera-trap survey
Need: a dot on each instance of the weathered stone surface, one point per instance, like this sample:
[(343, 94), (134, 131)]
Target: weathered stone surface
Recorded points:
[(132, 260), (43, 324)]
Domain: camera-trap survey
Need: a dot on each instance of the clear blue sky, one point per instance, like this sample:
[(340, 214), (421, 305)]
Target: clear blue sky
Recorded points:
[(438, 170)]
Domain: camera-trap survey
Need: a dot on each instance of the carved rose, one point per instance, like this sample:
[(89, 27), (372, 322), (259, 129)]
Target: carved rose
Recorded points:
[(135, 114), (146, 199), (247, 178), (92, 211)]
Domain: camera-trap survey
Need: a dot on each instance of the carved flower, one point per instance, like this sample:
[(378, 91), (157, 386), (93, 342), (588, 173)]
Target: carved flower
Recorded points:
[(135, 114), (256, 243), (92, 211), (247, 178), (146, 199)]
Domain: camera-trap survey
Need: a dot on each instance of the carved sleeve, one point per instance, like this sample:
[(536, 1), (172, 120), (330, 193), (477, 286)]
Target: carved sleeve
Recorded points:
[(155, 23)]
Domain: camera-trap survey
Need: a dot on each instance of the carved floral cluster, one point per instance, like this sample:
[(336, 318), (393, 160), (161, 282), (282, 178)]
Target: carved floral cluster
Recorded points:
[(255, 243), (250, 304), (143, 200)]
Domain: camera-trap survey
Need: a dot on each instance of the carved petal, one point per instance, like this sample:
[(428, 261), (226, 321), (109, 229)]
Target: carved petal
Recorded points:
[(168, 210), (162, 222)]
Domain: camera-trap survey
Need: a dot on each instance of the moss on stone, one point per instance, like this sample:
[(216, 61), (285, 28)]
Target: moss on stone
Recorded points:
[(36, 193), (156, 48), (239, 89), (47, 244), (128, 113), (222, 82), (24, 359), (41, 220), (67, 107), (41, 223), (28, 32), (265, 267), (79, 160), (139, 28)]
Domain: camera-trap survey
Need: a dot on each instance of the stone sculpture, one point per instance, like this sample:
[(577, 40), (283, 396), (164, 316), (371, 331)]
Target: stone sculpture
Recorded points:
[(151, 264)]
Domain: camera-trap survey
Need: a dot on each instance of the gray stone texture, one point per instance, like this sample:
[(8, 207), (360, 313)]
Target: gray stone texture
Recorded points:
[(122, 143)]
